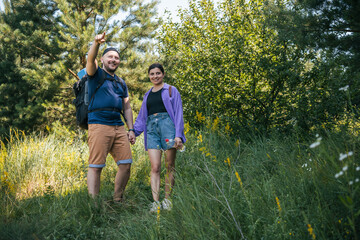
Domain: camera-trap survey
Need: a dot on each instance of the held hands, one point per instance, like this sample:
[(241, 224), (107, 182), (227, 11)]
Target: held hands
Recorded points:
[(99, 39), (132, 138)]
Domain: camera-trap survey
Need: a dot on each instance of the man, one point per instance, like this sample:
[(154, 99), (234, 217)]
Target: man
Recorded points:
[(106, 132)]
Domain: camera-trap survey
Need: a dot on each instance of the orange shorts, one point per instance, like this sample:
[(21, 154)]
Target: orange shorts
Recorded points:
[(104, 139)]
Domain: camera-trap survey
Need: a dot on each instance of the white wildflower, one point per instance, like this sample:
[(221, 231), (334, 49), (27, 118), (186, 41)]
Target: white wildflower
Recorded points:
[(357, 168), (310, 160), (351, 183), (339, 174), (344, 88), (304, 165), (315, 144), (309, 169), (345, 155), (357, 180), (345, 168)]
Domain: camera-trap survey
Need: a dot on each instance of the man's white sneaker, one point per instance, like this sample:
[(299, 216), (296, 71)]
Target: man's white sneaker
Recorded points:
[(166, 204), (155, 206)]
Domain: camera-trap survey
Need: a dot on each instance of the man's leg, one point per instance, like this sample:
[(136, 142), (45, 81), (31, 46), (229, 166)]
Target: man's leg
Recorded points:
[(170, 156), (121, 153), (121, 179), (93, 181)]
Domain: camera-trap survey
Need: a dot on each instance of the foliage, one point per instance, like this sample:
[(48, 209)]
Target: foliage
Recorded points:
[(226, 188), (331, 29), (243, 69), (28, 76)]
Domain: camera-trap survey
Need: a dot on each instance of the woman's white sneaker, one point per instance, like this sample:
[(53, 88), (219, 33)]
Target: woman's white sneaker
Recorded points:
[(166, 204), (155, 206)]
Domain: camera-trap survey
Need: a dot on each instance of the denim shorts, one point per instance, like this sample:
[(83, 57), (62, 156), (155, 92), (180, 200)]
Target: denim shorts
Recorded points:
[(159, 127)]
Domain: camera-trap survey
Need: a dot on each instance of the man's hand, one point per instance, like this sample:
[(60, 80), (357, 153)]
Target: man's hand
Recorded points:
[(132, 138), (91, 63), (99, 39)]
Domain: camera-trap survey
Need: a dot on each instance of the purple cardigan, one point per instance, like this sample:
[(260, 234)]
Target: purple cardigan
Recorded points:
[(174, 108)]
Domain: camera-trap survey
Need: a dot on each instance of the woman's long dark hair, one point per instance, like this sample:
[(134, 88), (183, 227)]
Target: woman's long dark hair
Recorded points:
[(156, 65)]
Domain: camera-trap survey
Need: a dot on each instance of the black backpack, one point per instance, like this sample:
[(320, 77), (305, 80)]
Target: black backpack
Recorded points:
[(82, 100)]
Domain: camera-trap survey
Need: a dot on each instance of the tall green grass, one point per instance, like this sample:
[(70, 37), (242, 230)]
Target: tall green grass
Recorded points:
[(226, 188)]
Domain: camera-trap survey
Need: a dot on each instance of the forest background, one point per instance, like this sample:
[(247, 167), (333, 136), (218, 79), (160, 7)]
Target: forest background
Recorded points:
[(260, 65), (252, 69)]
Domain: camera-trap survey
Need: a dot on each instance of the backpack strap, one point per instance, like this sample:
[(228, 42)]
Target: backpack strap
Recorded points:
[(101, 82), (170, 90), (121, 81)]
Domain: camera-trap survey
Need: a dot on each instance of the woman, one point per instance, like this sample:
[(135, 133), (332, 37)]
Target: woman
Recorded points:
[(161, 120)]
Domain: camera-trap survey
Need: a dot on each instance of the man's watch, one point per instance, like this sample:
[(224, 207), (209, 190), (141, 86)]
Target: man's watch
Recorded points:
[(131, 130)]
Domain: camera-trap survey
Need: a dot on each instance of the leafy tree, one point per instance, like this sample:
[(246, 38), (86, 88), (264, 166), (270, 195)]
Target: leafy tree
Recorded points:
[(231, 65), (330, 29), (243, 62), (28, 76)]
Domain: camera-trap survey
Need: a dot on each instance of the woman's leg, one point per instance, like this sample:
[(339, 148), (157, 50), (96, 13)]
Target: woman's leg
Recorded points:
[(170, 156), (155, 160)]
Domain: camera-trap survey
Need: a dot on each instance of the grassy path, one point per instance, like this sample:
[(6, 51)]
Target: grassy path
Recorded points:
[(266, 188)]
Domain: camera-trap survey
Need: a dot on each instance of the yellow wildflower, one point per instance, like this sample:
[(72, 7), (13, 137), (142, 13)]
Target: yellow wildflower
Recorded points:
[(216, 123), (3, 155), (238, 178), (158, 213), (278, 203), (237, 143), (200, 117), (186, 128), (228, 161), (9, 187), (200, 139), (311, 231), (228, 129)]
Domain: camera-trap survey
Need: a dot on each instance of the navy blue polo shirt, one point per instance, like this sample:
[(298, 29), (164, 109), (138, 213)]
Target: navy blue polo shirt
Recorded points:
[(109, 95)]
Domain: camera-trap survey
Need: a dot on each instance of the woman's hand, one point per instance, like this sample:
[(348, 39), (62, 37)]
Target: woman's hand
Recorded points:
[(178, 143)]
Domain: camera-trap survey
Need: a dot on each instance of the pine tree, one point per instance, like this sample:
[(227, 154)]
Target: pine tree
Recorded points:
[(45, 44), (26, 78), (330, 30), (129, 25)]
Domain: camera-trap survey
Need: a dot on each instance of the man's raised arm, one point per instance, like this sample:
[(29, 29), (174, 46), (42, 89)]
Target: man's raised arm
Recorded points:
[(91, 64)]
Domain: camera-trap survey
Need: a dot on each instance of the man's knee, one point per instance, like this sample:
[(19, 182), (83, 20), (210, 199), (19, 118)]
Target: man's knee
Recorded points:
[(124, 167), (95, 169)]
